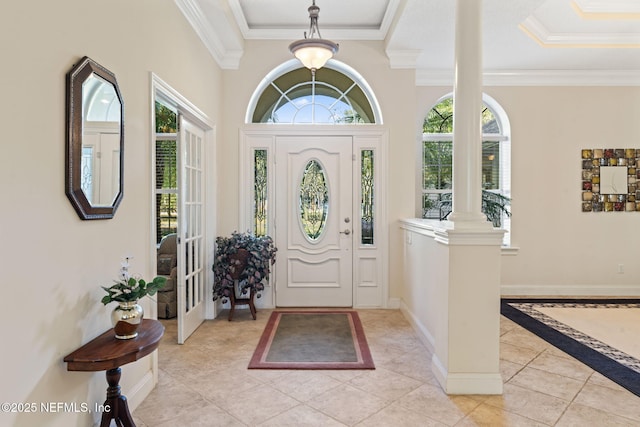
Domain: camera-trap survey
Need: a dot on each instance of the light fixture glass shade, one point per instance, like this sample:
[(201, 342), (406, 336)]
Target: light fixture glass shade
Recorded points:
[(313, 53)]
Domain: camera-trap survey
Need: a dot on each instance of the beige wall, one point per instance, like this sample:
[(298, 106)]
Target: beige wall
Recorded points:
[(561, 249), (395, 92), (52, 262)]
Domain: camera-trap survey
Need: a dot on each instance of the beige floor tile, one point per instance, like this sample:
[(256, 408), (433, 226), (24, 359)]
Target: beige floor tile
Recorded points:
[(415, 364), (545, 382), (529, 404), (620, 402), (257, 404), (347, 404), (156, 409), (301, 416), (222, 386), (396, 415), (509, 369), (578, 415), (489, 416), (385, 384), (432, 402), (522, 338), (567, 367), (598, 379), (205, 416), (516, 354), (205, 382), (304, 385)]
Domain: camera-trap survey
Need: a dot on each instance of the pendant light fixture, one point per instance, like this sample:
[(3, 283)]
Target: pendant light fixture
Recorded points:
[(313, 51)]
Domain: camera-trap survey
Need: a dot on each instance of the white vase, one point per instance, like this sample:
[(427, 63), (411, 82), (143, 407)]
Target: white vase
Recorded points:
[(126, 318)]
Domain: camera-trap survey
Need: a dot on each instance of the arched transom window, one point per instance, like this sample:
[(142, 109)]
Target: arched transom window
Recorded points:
[(334, 94)]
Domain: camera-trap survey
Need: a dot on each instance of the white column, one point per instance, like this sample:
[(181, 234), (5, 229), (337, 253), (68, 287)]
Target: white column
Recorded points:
[(466, 359), (467, 127)]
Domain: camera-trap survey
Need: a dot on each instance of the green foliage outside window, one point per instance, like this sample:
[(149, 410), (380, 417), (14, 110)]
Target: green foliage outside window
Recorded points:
[(437, 165), (166, 119), (166, 172)]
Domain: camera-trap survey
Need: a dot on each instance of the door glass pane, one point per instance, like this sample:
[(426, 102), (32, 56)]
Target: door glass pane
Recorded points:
[(366, 204), (314, 200), (260, 193), (166, 188), (86, 165)]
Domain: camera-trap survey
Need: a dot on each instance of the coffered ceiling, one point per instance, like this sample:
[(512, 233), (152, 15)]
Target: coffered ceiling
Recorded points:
[(589, 41)]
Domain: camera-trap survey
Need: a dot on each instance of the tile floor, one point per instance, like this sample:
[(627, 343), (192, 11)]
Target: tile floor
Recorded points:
[(205, 383)]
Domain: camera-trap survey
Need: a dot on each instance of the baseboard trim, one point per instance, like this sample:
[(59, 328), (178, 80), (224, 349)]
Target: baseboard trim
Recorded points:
[(570, 290), (423, 333), (140, 391), (466, 383), (394, 303)]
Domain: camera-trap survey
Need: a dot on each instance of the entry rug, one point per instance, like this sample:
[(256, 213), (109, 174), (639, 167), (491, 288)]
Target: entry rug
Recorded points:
[(313, 340), (613, 363)]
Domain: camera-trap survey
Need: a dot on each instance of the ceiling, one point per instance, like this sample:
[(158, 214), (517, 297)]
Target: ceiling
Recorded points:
[(588, 41)]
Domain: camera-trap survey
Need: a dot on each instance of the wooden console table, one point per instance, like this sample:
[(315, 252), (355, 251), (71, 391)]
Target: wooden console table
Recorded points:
[(106, 352)]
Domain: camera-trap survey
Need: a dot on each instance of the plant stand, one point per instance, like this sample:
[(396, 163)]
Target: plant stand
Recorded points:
[(242, 255), (233, 301)]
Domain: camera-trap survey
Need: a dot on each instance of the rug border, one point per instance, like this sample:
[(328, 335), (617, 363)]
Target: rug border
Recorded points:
[(362, 349), (610, 368)]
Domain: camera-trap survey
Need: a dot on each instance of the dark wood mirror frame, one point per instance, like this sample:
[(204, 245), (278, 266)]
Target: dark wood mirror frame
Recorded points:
[(74, 136)]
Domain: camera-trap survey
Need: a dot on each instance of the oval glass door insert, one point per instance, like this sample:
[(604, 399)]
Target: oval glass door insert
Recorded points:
[(314, 200)]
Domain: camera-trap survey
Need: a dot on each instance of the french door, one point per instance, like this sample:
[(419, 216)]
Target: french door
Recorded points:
[(191, 229), (314, 224)]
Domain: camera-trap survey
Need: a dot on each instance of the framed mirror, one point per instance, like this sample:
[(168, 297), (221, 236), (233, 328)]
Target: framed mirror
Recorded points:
[(95, 140)]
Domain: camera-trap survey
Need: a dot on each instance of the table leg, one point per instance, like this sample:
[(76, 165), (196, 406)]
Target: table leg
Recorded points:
[(252, 306), (116, 406)]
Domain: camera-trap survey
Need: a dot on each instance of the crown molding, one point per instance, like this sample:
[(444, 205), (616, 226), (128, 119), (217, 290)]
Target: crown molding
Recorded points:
[(226, 58), (298, 33), (607, 8), (403, 58), (536, 78), (336, 33), (538, 32)]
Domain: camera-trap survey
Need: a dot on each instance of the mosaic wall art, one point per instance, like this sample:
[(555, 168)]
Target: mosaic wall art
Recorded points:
[(610, 178)]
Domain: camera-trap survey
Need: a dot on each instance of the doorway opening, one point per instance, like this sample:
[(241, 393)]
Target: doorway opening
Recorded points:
[(184, 222), (325, 201), (321, 194)]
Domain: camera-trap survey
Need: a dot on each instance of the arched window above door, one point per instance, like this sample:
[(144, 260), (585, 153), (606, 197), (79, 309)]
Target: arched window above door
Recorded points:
[(335, 94)]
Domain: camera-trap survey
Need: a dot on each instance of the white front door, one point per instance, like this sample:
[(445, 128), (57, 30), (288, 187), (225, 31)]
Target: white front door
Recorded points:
[(314, 224), (191, 229)]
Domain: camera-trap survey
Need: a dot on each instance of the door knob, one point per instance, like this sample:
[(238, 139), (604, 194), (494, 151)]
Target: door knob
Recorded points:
[(347, 232), (347, 220)]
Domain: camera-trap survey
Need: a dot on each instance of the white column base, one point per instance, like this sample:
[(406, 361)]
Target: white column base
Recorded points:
[(466, 383)]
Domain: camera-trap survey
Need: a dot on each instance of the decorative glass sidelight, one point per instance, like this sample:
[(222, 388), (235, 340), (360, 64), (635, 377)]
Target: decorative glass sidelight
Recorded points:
[(314, 200), (86, 167), (366, 202), (260, 192)]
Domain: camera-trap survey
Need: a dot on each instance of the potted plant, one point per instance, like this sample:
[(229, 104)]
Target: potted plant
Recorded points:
[(126, 291), (245, 258)]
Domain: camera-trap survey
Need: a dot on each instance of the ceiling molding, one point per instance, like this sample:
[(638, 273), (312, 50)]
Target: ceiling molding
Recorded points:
[(226, 58), (537, 78), (538, 32), (336, 33), (607, 9), (403, 58), (297, 33)]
